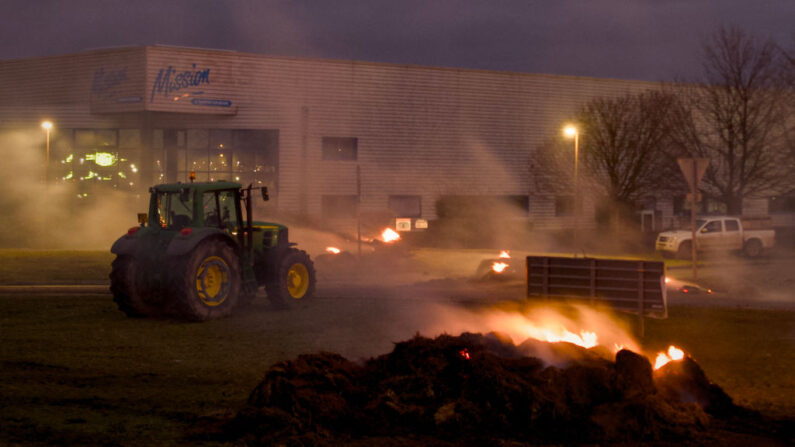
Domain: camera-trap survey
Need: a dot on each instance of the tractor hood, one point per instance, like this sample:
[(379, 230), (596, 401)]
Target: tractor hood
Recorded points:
[(261, 224)]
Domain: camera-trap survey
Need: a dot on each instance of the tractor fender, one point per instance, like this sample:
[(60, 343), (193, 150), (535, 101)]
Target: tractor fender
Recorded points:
[(182, 244), (125, 245)]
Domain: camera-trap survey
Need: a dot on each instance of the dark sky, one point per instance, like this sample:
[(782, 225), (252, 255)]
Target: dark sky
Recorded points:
[(630, 39)]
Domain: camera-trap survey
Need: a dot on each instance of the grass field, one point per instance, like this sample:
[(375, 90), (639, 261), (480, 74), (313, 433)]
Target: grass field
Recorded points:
[(76, 371), (53, 266)]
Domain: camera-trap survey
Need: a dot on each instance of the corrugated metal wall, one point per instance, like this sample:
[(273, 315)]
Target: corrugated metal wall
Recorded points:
[(421, 130)]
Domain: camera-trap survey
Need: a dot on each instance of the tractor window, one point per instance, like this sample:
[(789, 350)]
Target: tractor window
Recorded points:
[(174, 209), (224, 201)]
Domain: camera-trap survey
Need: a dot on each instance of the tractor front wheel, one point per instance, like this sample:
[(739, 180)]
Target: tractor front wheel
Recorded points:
[(207, 285), (294, 281)]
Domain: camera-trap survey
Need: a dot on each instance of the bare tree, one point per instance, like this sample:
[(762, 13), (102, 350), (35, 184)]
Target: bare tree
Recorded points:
[(739, 117), (624, 145), (623, 153)]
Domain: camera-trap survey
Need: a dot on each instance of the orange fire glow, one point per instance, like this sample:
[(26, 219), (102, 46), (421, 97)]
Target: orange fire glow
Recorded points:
[(505, 254), (579, 325), (389, 235), (584, 338), (333, 250), (673, 354), (556, 333), (499, 267)]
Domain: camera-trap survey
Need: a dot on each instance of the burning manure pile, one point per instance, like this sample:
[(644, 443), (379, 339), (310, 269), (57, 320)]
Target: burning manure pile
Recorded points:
[(478, 389)]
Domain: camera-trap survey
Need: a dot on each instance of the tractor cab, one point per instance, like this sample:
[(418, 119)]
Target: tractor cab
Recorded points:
[(210, 204)]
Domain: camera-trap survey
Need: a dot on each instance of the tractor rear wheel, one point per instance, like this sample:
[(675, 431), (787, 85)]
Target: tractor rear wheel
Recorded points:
[(207, 285), (294, 281), (127, 283)]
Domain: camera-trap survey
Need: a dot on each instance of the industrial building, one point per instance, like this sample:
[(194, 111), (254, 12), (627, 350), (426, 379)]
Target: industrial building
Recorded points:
[(327, 137)]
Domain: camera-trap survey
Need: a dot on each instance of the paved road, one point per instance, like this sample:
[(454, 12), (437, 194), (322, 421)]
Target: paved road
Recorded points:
[(766, 283)]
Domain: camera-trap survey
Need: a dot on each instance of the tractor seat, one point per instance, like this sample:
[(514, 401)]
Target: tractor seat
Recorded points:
[(180, 221), (211, 220)]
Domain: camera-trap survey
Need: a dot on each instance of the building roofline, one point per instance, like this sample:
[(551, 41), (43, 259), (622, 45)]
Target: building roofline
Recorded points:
[(333, 61)]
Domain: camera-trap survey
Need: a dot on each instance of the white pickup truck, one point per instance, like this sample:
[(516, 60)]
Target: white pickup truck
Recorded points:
[(719, 233)]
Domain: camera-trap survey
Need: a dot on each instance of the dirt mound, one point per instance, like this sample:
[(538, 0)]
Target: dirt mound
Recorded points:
[(483, 390)]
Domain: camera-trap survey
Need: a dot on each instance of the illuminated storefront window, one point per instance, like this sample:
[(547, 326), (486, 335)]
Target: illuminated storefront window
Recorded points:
[(101, 158), (239, 155)]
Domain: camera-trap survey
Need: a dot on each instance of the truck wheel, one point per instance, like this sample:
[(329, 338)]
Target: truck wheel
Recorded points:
[(129, 293), (685, 251), (294, 281), (207, 285), (753, 248)]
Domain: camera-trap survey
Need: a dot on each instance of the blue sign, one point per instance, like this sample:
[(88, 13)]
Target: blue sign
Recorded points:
[(129, 99), (211, 102)]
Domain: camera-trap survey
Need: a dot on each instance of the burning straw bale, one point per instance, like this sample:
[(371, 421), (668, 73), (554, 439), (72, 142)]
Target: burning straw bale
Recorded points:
[(480, 390)]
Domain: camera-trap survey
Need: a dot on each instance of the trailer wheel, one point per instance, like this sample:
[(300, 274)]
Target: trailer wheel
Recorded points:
[(207, 284), (129, 289), (685, 250), (753, 248), (294, 281)]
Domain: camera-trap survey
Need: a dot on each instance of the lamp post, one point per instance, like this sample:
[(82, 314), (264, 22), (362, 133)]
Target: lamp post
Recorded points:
[(47, 125), (571, 131)]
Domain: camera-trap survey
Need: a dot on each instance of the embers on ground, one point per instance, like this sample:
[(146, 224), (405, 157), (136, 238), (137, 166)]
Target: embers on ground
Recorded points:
[(483, 390)]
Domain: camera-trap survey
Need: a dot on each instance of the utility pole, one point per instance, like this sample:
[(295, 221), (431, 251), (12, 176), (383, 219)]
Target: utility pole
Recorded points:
[(693, 169)]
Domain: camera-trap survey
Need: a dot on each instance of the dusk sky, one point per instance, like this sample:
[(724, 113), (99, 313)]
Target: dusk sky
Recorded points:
[(629, 39)]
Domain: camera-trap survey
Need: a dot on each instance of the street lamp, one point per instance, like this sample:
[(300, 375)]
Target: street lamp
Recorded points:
[(47, 125), (571, 131)]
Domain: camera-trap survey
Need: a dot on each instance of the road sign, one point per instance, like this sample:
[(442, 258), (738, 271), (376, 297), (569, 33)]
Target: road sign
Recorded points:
[(403, 224), (689, 197), (693, 173)]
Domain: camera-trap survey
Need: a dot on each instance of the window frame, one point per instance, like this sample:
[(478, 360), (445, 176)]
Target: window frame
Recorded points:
[(397, 197), (331, 151)]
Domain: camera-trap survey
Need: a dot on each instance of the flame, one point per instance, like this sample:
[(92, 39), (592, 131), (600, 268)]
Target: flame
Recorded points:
[(505, 254), (333, 250), (499, 267), (559, 334), (578, 325), (389, 235), (673, 354)]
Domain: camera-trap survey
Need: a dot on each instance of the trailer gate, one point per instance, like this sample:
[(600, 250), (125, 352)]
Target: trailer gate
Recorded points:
[(626, 285)]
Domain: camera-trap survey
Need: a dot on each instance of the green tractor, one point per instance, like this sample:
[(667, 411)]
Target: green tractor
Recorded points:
[(197, 255)]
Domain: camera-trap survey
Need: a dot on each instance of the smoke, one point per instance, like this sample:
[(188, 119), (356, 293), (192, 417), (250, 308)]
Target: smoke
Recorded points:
[(729, 280), (55, 215)]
